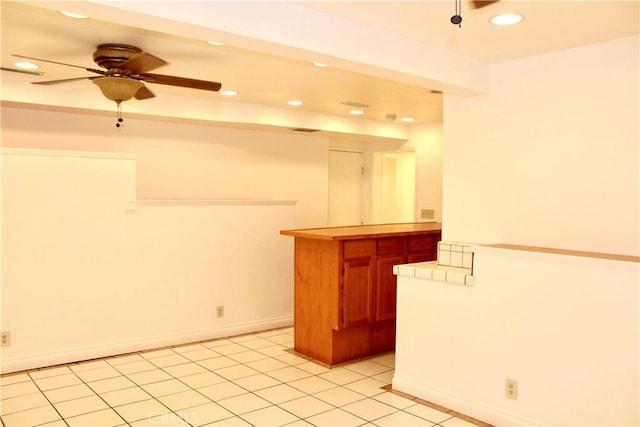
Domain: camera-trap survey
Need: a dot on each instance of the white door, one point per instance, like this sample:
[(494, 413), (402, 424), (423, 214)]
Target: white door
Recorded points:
[(345, 188)]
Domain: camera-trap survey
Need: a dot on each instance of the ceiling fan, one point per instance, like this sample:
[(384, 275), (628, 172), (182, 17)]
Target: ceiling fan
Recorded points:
[(477, 4), (125, 72)]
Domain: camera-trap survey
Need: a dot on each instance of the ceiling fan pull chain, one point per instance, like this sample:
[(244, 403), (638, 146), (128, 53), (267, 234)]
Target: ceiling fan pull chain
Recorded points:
[(457, 18), (120, 119)]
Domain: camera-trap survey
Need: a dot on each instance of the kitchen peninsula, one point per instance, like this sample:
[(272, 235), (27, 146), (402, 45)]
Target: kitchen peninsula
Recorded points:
[(345, 289)]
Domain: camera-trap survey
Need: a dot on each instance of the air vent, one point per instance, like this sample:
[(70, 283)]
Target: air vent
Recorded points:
[(304, 130), (355, 104)]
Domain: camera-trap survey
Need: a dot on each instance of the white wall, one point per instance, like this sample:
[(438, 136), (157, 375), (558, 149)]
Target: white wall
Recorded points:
[(428, 141), (189, 161), (550, 156), (566, 328), (106, 298), (89, 272), (108, 281)]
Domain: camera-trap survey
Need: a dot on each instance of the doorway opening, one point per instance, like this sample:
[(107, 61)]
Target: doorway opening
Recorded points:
[(395, 190), (346, 174), (385, 194)]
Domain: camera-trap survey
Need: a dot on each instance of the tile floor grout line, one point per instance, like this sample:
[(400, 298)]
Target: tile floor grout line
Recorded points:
[(191, 388), (48, 400), (212, 371), (152, 397), (68, 366), (253, 391), (99, 395), (333, 407), (362, 371)]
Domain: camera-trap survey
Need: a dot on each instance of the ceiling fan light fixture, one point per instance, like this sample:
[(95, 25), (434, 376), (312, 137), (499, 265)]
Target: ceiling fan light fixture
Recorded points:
[(320, 64), (506, 19), (356, 112), (407, 119), (295, 102), (215, 43), (228, 93), (118, 89)]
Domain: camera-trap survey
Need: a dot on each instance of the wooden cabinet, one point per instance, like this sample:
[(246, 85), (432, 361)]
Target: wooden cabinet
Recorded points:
[(345, 289), (356, 291), (385, 300), (422, 248)]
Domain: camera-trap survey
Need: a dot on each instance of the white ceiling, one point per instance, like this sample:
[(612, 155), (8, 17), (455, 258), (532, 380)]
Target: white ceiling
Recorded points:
[(547, 25), (268, 72)]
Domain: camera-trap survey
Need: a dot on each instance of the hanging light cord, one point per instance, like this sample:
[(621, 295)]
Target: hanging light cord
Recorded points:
[(120, 119)]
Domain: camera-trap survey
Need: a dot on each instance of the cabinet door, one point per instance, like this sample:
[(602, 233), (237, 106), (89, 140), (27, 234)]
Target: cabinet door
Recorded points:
[(385, 306), (357, 287), (422, 248)]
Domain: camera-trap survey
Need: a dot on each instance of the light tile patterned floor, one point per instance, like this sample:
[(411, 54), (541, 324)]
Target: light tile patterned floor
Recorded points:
[(249, 380)]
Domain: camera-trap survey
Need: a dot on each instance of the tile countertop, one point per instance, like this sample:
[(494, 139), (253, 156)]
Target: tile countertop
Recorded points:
[(433, 271), (436, 271)]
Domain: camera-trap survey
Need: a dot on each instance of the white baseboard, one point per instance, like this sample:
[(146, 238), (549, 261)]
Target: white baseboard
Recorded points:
[(116, 348), (494, 416)]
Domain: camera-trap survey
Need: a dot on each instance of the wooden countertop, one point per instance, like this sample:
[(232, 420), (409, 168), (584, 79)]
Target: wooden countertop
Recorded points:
[(365, 231)]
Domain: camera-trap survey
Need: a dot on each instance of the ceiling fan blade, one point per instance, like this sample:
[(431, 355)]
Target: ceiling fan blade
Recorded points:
[(55, 82), (33, 73), (477, 4), (93, 70), (179, 81), (144, 93), (142, 63)]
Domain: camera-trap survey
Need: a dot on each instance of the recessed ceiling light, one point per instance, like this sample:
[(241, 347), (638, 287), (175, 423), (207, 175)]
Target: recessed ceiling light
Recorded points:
[(26, 65), (356, 112), (228, 93), (407, 119), (506, 19), (72, 15), (295, 102), (215, 43), (320, 64)]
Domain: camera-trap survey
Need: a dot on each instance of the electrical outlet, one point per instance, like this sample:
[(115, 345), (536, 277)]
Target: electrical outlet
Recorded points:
[(427, 213), (6, 339), (220, 311), (511, 390)]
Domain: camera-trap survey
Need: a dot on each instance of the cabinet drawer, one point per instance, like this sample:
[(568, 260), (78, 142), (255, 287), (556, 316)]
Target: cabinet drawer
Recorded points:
[(358, 249), (393, 245), (425, 243)]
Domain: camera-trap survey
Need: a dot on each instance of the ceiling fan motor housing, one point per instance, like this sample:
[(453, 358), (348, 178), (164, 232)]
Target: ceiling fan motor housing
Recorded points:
[(111, 55)]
